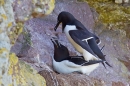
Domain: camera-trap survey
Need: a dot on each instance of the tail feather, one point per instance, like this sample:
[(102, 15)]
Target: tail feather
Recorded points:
[(90, 62), (106, 63)]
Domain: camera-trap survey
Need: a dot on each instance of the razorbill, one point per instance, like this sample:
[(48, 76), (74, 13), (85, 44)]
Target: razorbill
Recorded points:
[(64, 63), (84, 41)]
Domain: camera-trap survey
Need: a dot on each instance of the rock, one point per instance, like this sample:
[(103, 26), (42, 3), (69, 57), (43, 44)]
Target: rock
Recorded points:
[(27, 9), (6, 16), (121, 1), (36, 49), (126, 1), (12, 71), (23, 74), (70, 79), (117, 84), (118, 1)]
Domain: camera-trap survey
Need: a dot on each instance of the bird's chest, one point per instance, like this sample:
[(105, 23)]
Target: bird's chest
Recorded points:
[(69, 27), (62, 67), (66, 31)]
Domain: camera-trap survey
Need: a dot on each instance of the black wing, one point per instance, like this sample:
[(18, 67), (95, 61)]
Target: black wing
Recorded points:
[(82, 62), (93, 45), (78, 36), (98, 41)]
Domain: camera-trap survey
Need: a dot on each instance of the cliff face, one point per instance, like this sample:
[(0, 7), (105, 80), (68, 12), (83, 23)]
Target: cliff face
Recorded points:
[(12, 71), (34, 47), (25, 44)]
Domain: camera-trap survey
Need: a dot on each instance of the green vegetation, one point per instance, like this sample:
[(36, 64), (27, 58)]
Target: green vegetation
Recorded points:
[(27, 38), (110, 13)]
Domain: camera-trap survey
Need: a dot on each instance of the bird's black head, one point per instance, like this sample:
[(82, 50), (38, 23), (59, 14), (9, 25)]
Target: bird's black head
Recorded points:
[(64, 18), (60, 51)]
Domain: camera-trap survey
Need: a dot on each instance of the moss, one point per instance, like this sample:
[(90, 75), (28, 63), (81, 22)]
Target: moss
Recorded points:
[(13, 59), (9, 25), (23, 74), (4, 16), (113, 16), (15, 31), (110, 13), (29, 74), (4, 53), (51, 7), (2, 2), (27, 38), (3, 50), (10, 85), (12, 72), (42, 7)]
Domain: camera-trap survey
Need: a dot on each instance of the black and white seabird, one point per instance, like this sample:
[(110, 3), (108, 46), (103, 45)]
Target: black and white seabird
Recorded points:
[(84, 41), (64, 63)]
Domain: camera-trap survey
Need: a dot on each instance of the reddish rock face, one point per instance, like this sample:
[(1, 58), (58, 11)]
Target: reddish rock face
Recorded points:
[(72, 79), (117, 84), (39, 55)]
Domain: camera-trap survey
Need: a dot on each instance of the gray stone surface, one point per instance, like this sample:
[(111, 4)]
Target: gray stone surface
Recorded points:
[(116, 49)]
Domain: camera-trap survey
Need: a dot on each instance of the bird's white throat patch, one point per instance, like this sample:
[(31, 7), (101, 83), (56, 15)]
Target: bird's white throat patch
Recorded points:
[(70, 27)]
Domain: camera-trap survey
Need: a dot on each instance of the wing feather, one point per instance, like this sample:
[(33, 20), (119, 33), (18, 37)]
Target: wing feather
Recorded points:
[(78, 36)]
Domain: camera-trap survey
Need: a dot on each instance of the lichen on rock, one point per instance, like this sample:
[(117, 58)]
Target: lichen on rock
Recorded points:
[(5, 45), (15, 32), (23, 74), (111, 14), (26, 9), (14, 72)]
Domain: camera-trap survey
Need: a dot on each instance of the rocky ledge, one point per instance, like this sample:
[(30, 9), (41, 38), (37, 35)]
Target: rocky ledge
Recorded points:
[(34, 47), (14, 72)]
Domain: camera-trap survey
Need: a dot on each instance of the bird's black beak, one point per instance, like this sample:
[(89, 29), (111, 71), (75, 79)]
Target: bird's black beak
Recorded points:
[(55, 42), (57, 25)]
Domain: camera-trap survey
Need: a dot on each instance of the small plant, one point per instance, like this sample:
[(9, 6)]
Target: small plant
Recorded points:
[(27, 38)]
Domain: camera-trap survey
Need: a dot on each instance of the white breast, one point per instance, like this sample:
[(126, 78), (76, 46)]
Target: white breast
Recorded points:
[(88, 69), (66, 31), (69, 67), (65, 67)]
